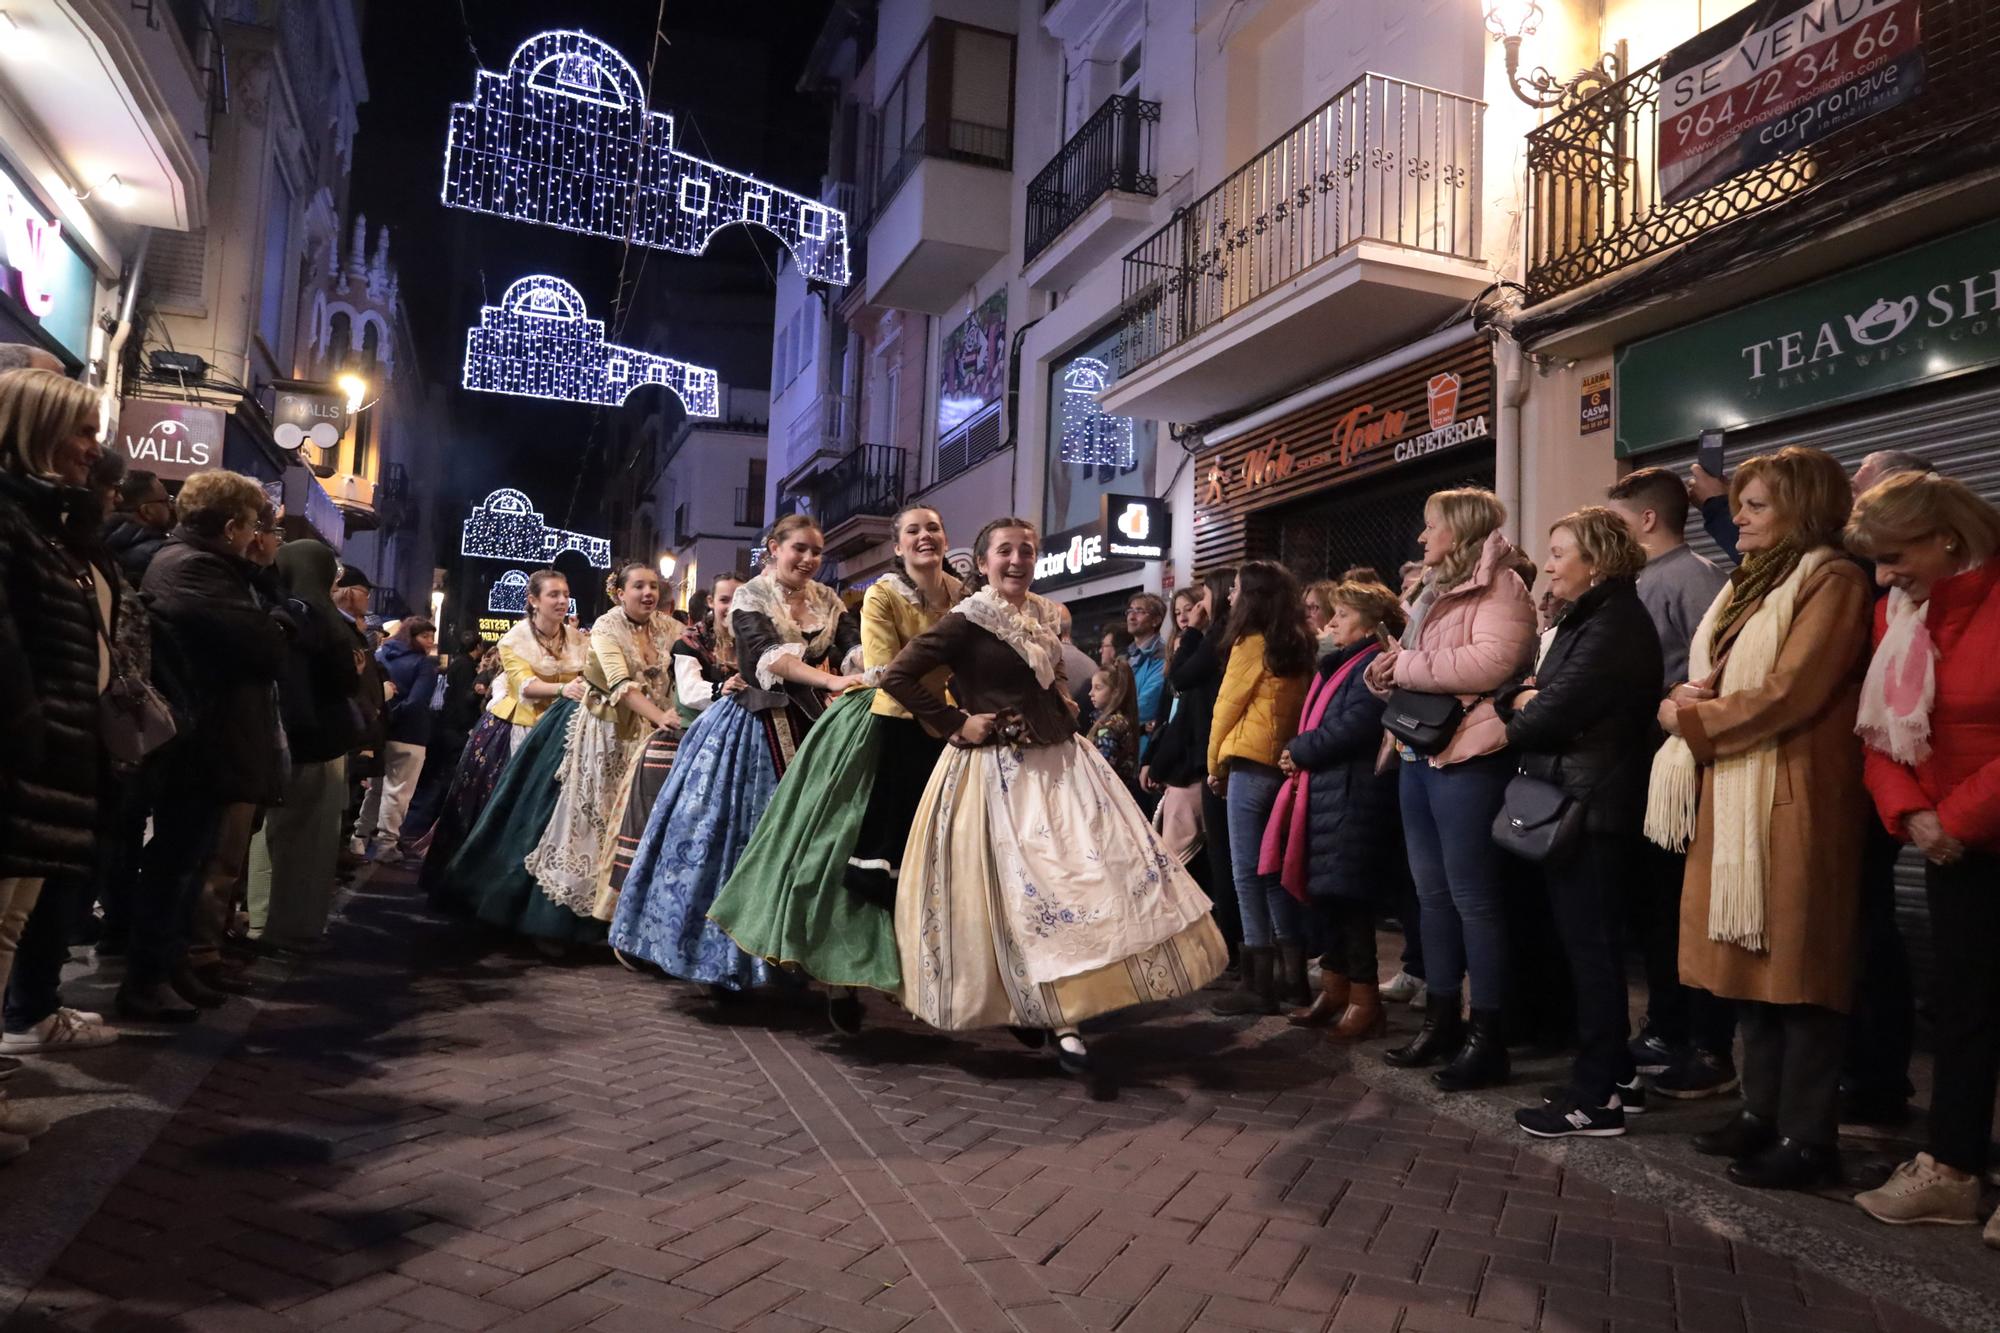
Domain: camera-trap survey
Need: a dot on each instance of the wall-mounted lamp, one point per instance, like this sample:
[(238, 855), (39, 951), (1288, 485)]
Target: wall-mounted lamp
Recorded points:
[(356, 390), (667, 563), (1512, 20)]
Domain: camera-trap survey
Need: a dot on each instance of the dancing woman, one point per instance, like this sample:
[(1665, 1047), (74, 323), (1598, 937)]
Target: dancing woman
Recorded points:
[(816, 888), (1035, 894), (795, 643), (541, 661), (701, 676), (631, 697)]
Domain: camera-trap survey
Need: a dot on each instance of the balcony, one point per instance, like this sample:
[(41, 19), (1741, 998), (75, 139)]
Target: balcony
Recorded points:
[(1094, 196), (1596, 207), (1356, 231), (823, 430), (856, 499)]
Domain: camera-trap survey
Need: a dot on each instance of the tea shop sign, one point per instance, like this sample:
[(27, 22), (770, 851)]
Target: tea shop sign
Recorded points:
[(1360, 435)]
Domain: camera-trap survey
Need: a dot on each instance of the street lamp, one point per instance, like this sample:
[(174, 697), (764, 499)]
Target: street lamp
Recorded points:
[(667, 565), (1510, 21), (356, 390)]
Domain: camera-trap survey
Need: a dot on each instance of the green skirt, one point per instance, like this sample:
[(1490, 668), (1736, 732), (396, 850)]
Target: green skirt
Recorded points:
[(487, 874), (787, 901)]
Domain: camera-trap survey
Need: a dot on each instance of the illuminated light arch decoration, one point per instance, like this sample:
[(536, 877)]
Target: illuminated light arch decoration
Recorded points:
[(509, 595), (540, 342), (564, 138), (507, 526), (1090, 438)]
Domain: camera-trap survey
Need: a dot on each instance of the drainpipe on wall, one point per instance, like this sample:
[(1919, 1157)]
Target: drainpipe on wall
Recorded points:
[(1509, 367), (114, 355)]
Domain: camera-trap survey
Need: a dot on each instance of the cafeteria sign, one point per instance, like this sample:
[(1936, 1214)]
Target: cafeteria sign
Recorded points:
[(1776, 77)]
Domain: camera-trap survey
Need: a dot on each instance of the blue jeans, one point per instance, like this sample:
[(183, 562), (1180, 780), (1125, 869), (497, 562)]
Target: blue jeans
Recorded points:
[(1448, 829), (1270, 915)]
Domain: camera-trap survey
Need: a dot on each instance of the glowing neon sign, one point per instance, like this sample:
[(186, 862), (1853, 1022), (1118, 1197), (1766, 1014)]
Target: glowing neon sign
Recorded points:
[(507, 526), (540, 342), (31, 244), (509, 593)]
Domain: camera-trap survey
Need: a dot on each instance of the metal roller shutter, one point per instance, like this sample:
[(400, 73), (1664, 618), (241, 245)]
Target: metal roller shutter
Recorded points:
[(1957, 426), (1373, 522)]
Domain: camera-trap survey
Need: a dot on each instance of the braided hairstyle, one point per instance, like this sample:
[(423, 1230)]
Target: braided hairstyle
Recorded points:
[(979, 544), (614, 582)]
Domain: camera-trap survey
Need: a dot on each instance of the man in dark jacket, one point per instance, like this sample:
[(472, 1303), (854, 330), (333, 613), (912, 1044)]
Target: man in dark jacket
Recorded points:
[(351, 592), (138, 529), (217, 656)]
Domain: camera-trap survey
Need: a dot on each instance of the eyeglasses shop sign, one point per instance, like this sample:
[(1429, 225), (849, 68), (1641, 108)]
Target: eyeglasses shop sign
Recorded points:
[(173, 441)]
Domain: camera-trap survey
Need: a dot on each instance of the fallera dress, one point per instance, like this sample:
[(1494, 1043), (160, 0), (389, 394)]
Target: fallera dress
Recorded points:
[(1034, 892), (722, 779), (815, 888)]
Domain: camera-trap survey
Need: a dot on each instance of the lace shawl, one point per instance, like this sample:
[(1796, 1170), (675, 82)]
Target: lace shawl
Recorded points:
[(547, 665), (662, 632), (1030, 631), (762, 596)]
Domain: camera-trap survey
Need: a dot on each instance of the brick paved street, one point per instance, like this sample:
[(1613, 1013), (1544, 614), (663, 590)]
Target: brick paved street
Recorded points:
[(429, 1129)]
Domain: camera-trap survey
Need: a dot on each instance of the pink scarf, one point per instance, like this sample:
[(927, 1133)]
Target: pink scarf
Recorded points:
[(1283, 851)]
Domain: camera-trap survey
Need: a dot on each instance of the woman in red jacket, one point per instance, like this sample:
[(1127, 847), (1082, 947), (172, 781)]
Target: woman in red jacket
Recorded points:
[(1930, 714)]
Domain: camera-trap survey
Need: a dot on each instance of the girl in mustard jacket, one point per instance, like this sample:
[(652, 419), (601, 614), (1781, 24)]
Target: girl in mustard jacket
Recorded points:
[(1270, 662)]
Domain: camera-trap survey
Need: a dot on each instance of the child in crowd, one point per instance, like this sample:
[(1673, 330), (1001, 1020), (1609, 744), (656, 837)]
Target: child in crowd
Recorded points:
[(1114, 701)]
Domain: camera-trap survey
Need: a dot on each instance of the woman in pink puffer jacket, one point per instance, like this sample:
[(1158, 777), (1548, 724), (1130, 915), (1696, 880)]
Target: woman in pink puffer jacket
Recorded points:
[(1471, 631)]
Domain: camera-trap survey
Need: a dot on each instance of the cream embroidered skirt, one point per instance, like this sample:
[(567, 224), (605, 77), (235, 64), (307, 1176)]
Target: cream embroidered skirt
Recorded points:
[(572, 862), (1035, 894)]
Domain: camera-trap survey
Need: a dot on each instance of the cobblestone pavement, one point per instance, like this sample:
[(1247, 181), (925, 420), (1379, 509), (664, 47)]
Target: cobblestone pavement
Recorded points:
[(430, 1129)]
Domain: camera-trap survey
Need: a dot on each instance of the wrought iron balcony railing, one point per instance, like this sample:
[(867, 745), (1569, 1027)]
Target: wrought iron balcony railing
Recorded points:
[(869, 480), (1385, 161), (1113, 151), (1595, 205)]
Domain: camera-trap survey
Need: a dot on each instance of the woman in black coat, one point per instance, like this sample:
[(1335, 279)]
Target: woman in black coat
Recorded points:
[(54, 657), (1179, 756), (1354, 831), (1585, 723)]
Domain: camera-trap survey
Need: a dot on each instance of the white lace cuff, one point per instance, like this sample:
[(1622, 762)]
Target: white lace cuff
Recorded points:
[(619, 690), (766, 678), (872, 677), (853, 663)]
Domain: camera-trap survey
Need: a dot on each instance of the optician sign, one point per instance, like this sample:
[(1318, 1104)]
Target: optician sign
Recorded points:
[(173, 441), (1924, 314), (1777, 76)]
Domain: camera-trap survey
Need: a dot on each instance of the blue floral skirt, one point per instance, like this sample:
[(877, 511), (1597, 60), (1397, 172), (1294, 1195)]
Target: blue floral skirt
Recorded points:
[(479, 768), (722, 780)]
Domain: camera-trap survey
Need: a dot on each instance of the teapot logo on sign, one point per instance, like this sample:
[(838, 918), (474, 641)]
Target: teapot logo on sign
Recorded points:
[(1950, 311)]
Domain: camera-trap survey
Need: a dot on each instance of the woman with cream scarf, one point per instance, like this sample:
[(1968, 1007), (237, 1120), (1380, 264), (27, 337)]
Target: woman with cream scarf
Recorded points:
[(1764, 775)]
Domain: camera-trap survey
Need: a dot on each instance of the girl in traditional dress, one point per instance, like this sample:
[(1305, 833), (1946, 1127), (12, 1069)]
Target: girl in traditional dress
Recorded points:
[(631, 697), (816, 888), (701, 676), (795, 644), (541, 660), (1034, 893)]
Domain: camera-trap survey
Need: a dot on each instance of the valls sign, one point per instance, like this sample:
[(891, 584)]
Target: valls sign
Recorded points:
[(1921, 315), (173, 441)]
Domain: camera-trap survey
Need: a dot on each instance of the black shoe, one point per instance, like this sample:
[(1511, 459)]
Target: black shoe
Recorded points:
[(1631, 1096), (153, 1004), (1568, 1117), (1032, 1038), (1439, 1039), (844, 1012), (191, 988), (111, 946), (1260, 987), (1698, 1075), (1865, 1108), (1294, 989), (219, 979), (1651, 1055), (1788, 1165), (1482, 1061), (1744, 1136), (1073, 1055)]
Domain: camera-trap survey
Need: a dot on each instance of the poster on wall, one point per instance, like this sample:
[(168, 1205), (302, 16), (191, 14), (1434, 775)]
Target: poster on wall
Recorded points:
[(972, 364), (1776, 77)]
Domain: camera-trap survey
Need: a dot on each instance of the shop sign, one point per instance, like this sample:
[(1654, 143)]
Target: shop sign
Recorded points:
[(173, 441), (1363, 434), (308, 416), (495, 626), (1924, 314), (1130, 531), (1776, 77), (1135, 527), (1594, 413), (39, 269)]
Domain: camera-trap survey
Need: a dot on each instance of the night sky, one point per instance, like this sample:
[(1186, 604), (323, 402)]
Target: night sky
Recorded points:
[(728, 74)]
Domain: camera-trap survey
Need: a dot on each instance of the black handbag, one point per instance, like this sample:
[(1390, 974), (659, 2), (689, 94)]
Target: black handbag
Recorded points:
[(1424, 722), (1538, 821)]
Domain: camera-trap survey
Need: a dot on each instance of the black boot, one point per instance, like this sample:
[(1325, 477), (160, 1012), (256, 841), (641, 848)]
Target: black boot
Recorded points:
[(1482, 1062), (1259, 994), (1745, 1136), (1293, 992), (1788, 1165), (1442, 1034)]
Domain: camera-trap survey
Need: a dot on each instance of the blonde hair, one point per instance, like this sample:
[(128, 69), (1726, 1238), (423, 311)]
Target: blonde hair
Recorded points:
[(209, 500), (1907, 507), (1473, 514), (1809, 490), (1604, 541), (785, 527), (39, 409)]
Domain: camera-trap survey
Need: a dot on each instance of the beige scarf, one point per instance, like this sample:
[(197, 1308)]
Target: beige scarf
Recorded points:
[(1745, 784)]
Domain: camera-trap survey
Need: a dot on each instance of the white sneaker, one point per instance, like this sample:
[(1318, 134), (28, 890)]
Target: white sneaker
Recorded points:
[(387, 853), (19, 1122), (63, 1030), (1921, 1191), (12, 1146), (1401, 988)]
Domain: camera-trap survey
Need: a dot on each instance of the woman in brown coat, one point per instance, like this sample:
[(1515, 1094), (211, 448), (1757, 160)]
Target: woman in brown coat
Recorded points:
[(1766, 729)]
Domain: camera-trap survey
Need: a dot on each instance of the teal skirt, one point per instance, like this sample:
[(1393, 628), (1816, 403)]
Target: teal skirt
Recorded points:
[(487, 875), (787, 901)]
